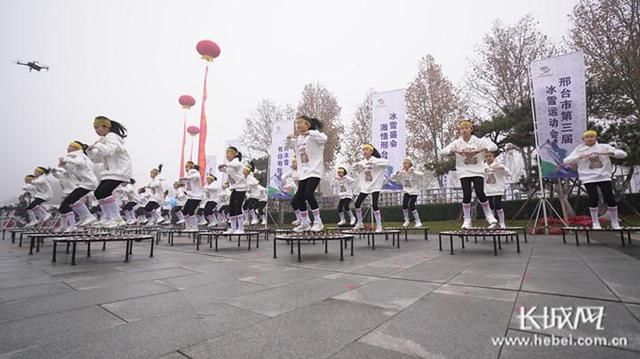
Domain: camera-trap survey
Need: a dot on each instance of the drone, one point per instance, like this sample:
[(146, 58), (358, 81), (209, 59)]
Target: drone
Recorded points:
[(33, 65)]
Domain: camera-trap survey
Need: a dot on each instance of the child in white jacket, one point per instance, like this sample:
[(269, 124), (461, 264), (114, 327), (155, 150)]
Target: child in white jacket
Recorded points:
[(343, 188), (213, 189), (238, 186), (371, 180), (290, 180), (42, 192), (469, 151), (156, 196), (115, 167), (308, 145), (251, 203), (494, 183), (595, 170), (76, 168), (195, 194), (409, 178)]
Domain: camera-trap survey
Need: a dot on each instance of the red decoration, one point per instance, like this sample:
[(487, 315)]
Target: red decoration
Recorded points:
[(208, 49), (193, 130), (186, 101)]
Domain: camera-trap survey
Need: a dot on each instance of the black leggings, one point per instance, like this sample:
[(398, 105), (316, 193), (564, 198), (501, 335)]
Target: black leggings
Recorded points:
[(190, 207), (260, 206), (306, 190), (495, 202), (343, 205), (151, 206), (129, 206), (250, 203), (374, 200), (607, 192), (478, 185), (409, 201), (105, 188), (73, 197), (295, 201), (36, 202), (224, 209), (235, 202), (209, 207)]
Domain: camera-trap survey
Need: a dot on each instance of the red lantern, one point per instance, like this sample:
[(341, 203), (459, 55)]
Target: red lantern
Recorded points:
[(186, 101), (193, 130), (208, 49)]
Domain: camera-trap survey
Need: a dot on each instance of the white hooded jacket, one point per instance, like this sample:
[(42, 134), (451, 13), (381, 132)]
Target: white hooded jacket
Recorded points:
[(115, 160), (309, 151)]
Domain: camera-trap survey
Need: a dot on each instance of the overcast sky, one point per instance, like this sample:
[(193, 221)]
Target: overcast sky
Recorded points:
[(130, 60)]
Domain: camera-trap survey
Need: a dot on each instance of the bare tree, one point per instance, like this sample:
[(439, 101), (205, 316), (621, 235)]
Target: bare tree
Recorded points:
[(359, 131), (258, 126), (433, 106), (318, 102), (498, 75), (608, 33)]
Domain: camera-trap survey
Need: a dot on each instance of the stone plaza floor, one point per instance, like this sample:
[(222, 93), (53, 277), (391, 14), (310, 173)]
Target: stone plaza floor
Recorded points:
[(412, 302)]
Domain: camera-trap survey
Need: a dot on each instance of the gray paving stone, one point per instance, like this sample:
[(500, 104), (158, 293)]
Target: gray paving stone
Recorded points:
[(445, 324), (22, 334), (570, 283), (97, 280), (38, 290), (275, 301), (359, 350), (433, 270), (142, 339), (316, 331), (391, 294), (73, 300)]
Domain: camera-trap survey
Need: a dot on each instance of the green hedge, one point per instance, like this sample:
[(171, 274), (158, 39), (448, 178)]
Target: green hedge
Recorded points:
[(452, 211)]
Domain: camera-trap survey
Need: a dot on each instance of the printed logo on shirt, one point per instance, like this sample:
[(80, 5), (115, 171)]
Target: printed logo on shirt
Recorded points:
[(343, 188), (368, 176), (304, 158), (491, 178), (594, 162), (407, 183), (470, 161)]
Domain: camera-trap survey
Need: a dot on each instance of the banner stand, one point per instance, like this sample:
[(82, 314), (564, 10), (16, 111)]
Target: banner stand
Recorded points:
[(542, 202)]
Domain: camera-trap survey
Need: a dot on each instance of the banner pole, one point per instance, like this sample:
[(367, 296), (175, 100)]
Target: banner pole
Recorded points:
[(535, 135)]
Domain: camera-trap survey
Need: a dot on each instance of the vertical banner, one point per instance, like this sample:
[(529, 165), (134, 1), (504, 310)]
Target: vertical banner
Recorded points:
[(388, 131), (558, 87), (212, 166), (279, 160), (202, 140)]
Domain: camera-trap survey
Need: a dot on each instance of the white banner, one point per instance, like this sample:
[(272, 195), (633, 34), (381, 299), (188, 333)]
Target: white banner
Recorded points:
[(560, 110), (388, 131), (279, 159)]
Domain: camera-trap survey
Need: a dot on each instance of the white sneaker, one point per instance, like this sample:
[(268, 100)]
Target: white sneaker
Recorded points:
[(70, 229), (254, 221), (144, 220), (467, 224), (379, 229), (99, 223), (246, 222), (228, 231), (264, 222), (358, 226), (596, 225), (238, 231), (32, 223), (493, 223), (503, 226), (160, 221), (202, 223), (317, 227), (296, 223), (180, 221), (115, 223), (616, 226), (353, 221), (304, 227), (418, 224), (405, 223), (341, 223)]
